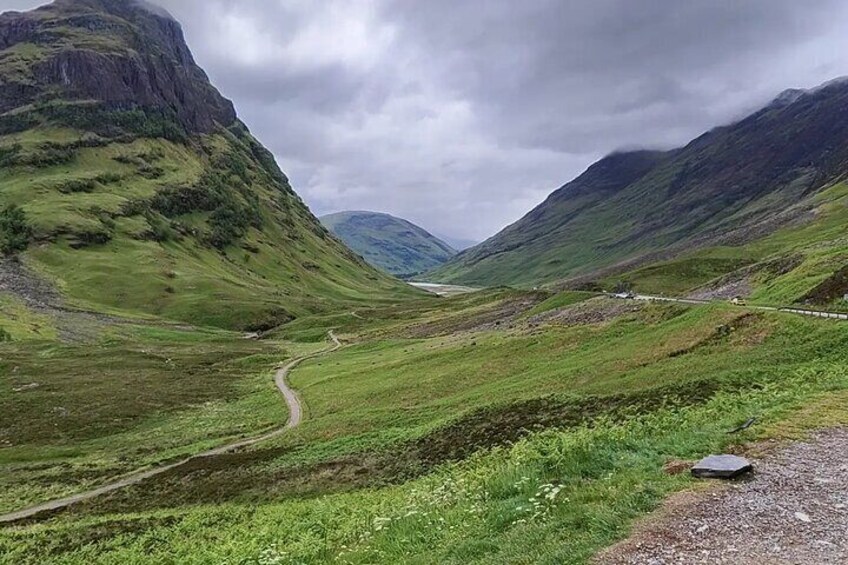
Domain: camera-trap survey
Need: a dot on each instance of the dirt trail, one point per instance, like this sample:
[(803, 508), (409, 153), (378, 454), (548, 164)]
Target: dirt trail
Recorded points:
[(294, 419), (793, 510)]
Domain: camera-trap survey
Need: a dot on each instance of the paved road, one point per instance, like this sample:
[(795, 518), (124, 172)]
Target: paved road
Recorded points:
[(814, 313), (294, 419)]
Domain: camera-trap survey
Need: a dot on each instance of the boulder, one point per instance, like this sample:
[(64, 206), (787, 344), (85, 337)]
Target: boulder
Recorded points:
[(721, 467)]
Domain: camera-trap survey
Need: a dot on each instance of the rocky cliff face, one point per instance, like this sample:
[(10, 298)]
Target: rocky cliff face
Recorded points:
[(117, 52)]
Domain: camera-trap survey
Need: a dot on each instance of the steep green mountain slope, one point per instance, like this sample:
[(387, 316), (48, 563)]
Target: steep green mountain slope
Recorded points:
[(728, 188), (128, 181), (389, 243)]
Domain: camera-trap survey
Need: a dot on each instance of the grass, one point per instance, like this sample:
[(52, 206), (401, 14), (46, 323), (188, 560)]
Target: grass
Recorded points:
[(677, 277), (73, 416), (525, 445), (23, 323), (781, 269), (559, 300), (554, 497)]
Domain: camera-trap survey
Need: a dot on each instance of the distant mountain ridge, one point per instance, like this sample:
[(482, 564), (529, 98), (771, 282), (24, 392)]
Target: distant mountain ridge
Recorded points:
[(734, 184), (458, 243), (391, 244)]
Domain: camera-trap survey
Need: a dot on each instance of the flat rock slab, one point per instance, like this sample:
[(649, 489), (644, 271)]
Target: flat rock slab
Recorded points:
[(721, 467)]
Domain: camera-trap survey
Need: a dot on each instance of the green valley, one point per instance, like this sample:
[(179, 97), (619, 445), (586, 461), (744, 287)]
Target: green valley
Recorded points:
[(446, 451), (194, 369)]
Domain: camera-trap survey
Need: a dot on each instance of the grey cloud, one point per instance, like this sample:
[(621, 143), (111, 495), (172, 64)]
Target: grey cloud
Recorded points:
[(462, 115), (572, 75)]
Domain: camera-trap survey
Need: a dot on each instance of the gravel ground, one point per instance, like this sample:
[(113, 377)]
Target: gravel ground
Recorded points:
[(592, 311), (724, 291), (792, 510)]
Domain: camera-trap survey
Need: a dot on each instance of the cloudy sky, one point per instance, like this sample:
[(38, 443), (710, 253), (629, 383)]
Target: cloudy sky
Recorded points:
[(461, 115)]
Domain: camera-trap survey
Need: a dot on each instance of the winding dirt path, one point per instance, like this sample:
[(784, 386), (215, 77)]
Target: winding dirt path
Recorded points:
[(294, 420)]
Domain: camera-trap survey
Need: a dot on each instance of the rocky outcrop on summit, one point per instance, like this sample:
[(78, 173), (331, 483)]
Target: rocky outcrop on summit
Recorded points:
[(122, 54)]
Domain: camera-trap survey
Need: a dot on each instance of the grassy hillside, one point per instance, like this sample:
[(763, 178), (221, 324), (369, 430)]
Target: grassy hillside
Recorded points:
[(802, 263), (729, 188), (152, 201), (388, 243)]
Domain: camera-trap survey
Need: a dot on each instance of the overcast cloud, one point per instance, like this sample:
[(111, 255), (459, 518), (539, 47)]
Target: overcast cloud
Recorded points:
[(463, 115)]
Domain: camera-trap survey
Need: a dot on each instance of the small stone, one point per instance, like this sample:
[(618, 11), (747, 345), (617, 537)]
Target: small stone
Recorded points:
[(702, 529), (721, 467), (803, 517)]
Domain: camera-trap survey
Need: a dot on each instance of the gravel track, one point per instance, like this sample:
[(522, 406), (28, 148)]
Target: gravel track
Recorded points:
[(792, 510)]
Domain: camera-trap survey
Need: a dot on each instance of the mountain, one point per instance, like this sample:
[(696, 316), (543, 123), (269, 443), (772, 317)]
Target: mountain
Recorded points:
[(392, 244), (778, 169), (460, 244), (128, 182)]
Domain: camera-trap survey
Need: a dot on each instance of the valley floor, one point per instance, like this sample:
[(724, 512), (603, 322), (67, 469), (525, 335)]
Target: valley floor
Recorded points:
[(491, 427)]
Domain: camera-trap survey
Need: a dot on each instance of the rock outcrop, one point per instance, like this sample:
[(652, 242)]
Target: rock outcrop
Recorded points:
[(146, 62)]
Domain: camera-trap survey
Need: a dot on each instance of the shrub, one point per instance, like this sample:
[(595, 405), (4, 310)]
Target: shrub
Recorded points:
[(160, 229), (108, 178), (134, 207), (185, 200), (236, 165), (77, 185), (15, 231), (50, 155), (88, 238), (9, 155), (16, 123), (229, 223), (151, 172), (114, 122), (5, 336)]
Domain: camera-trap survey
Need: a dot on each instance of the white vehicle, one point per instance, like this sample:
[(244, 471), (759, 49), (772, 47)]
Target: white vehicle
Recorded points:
[(625, 295)]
